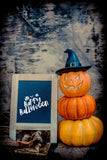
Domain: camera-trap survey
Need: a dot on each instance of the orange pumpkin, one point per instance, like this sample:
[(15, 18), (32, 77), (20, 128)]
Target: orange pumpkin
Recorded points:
[(76, 108), (74, 84), (81, 132)]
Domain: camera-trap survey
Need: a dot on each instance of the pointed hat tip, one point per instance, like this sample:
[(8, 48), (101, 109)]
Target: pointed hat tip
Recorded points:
[(72, 63)]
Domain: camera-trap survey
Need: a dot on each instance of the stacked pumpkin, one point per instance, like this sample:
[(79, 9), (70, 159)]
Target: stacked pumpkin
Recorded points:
[(80, 127)]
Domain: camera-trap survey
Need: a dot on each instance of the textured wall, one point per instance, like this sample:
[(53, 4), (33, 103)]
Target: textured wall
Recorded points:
[(33, 40)]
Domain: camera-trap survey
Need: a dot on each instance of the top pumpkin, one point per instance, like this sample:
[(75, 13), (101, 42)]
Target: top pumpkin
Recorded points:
[(75, 84)]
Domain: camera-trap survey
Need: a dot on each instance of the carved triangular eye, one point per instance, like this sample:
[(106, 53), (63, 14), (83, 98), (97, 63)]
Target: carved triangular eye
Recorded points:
[(78, 77), (65, 85)]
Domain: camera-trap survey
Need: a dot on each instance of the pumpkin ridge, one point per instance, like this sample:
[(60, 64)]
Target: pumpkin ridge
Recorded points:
[(66, 109), (71, 108), (76, 137), (75, 103), (99, 127), (70, 131), (85, 104), (59, 104), (60, 129), (83, 133), (62, 106), (95, 130), (65, 106), (89, 132), (88, 100), (93, 104), (79, 107)]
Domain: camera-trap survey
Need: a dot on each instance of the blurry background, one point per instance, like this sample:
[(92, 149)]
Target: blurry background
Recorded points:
[(35, 34)]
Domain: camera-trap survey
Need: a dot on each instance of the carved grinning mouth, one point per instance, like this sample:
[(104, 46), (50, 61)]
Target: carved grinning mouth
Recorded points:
[(72, 87)]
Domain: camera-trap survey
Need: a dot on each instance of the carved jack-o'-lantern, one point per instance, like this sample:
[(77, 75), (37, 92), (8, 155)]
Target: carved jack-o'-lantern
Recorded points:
[(74, 84)]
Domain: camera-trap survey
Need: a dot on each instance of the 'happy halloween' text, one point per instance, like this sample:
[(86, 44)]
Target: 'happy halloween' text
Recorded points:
[(32, 103)]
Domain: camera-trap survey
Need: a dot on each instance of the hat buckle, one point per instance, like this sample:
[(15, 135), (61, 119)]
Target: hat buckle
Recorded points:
[(73, 64)]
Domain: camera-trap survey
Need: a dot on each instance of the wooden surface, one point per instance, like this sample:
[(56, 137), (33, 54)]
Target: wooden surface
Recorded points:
[(57, 151), (33, 39)]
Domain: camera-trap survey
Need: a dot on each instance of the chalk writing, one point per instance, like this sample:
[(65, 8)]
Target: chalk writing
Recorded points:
[(32, 103)]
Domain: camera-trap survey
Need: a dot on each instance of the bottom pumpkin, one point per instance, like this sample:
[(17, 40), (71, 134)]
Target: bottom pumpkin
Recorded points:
[(81, 132)]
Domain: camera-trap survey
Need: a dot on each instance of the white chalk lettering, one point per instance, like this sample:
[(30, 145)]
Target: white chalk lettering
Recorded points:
[(32, 103)]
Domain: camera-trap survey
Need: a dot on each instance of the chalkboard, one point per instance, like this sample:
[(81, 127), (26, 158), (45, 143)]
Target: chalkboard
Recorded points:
[(34, 103)]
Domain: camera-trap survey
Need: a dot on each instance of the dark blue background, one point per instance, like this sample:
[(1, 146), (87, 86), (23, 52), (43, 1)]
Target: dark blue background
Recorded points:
[(29, 88)]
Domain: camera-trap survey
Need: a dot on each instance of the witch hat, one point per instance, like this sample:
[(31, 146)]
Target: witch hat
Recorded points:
[(72, 64)]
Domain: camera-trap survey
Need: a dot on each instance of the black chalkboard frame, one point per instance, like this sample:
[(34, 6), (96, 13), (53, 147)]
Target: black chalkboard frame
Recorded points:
[(14, 125)]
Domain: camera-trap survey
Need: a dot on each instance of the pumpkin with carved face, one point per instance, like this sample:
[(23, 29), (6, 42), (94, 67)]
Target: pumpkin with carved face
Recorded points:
[(75, 84)]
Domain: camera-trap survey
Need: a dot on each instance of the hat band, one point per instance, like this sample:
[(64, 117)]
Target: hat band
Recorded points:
[(73, 64)]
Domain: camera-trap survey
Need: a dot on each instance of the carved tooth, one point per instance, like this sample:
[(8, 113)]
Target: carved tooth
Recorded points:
[(80, 85), (76, 88), (71, 87), (65, 85)]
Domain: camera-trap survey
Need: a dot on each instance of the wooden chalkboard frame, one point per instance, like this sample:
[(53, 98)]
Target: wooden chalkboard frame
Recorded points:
[(52, 126)]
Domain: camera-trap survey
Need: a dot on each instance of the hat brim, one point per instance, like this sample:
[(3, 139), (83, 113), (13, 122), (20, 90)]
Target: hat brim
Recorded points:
[(72, 69)]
